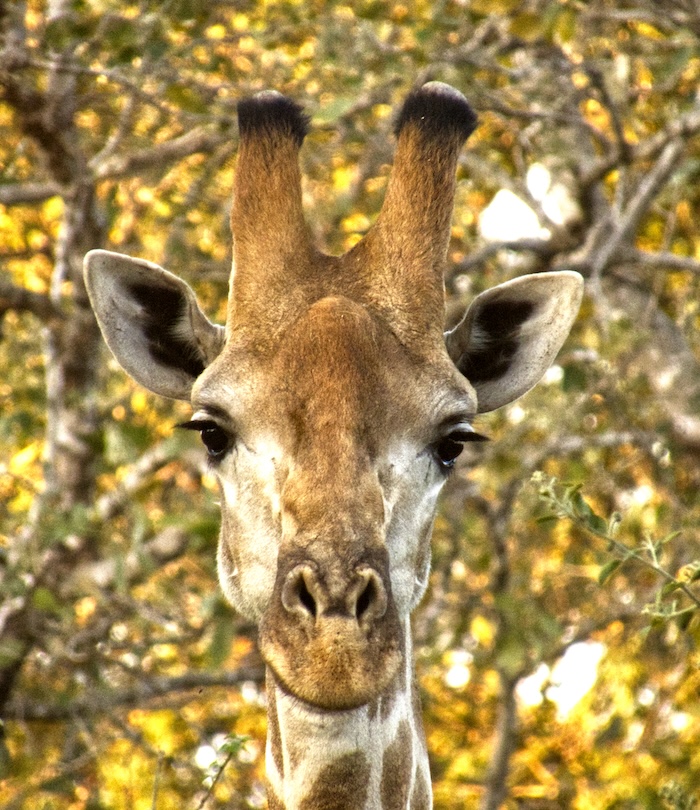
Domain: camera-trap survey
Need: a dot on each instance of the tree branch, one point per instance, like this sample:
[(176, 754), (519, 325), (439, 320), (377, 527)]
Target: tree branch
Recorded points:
[(65, 164), (663, 260), (197, 140), (27, 193), (19, 299), (614, 238), (105, 574), (506, 737), (541, 247), (142, 693), (682, 128), (111, 503)]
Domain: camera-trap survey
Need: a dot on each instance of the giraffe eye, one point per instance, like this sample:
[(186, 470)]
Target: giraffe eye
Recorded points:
[(216, 440), (448, 449)]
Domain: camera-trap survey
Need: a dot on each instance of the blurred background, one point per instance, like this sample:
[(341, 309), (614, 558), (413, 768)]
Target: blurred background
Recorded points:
[(557, 647)]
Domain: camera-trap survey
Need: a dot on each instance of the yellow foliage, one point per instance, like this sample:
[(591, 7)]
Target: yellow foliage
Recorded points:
[(85, 609), (462, 766), (494, 6), (648, 30), (243, 64), (247, 44), (528, 26), (161, 728), (240, 22), (331, 56), (307, 49), (343, 178), (355, 223), (53, 208), (596, 114), (139, 401), (144, 195), (24, 460), (482, 630), (126, 774), (217, 31), (644, 76)]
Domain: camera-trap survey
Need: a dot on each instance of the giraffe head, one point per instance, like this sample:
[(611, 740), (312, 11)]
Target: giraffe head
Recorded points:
[(332, 406)]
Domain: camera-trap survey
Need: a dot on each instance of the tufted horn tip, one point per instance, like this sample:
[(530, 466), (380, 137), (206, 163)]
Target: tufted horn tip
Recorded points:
[(269, 112), (438, 109)]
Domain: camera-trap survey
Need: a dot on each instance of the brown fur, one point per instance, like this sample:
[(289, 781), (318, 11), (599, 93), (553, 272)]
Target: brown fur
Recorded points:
[(342, 785), (396, 270), (422, 794), (396, 770)]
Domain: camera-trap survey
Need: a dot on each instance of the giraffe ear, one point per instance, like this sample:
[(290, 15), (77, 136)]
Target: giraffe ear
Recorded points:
[(511, 334), (151, 321)]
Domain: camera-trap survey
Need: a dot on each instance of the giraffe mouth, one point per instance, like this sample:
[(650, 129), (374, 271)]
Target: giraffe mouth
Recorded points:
[(335, 665), (331, 633)]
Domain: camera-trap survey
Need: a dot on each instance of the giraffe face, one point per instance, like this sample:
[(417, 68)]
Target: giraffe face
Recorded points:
[(327, 447), (331, 404)]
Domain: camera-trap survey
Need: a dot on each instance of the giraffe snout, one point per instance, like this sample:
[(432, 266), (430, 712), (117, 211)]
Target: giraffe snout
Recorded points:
[(362, 596), (331, 634)]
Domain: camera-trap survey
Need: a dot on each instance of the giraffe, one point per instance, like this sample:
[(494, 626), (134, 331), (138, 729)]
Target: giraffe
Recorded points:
[(332, 407)]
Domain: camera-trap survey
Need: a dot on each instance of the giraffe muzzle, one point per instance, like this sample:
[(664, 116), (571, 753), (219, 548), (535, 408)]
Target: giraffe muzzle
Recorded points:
[(333, 640)]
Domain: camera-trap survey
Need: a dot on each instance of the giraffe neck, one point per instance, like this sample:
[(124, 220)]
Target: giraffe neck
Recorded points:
[(370, 758)]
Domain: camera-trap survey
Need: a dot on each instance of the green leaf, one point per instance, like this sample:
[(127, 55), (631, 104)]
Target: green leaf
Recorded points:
[(234, 743), (43, 599), (185, 98), (335, 109), (125, 442), (11, 650), (683, 620), (221, 640), (669, 588), (669, 538), (614, 524), (608, 570), (574, 378), (586, 513), (66, 29)]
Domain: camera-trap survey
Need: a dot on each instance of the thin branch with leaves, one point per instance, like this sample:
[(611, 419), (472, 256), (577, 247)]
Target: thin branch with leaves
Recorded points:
[(567, 501)]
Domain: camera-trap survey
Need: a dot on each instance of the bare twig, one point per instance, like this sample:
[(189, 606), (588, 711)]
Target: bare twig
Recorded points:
[(111, 503), (540, 247), (139, 695), (496, 783), (27, 193), (200, 139), (167, 545), (19, 299), (646, 191), (663, 260)]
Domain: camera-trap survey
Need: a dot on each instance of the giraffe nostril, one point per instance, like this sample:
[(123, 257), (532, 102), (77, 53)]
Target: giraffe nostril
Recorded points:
[(305, 597), (368, 598), (301, 593), (365, 599)]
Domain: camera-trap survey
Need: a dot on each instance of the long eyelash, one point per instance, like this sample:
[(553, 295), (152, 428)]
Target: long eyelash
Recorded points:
[(471, 436), (197, 424)]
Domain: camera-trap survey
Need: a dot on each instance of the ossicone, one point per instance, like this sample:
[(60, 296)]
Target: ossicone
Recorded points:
[(437, 108), (268, 112)]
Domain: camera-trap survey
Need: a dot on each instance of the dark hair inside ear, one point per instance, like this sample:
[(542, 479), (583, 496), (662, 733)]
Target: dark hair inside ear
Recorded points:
[(496, 331), (163, 310)]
